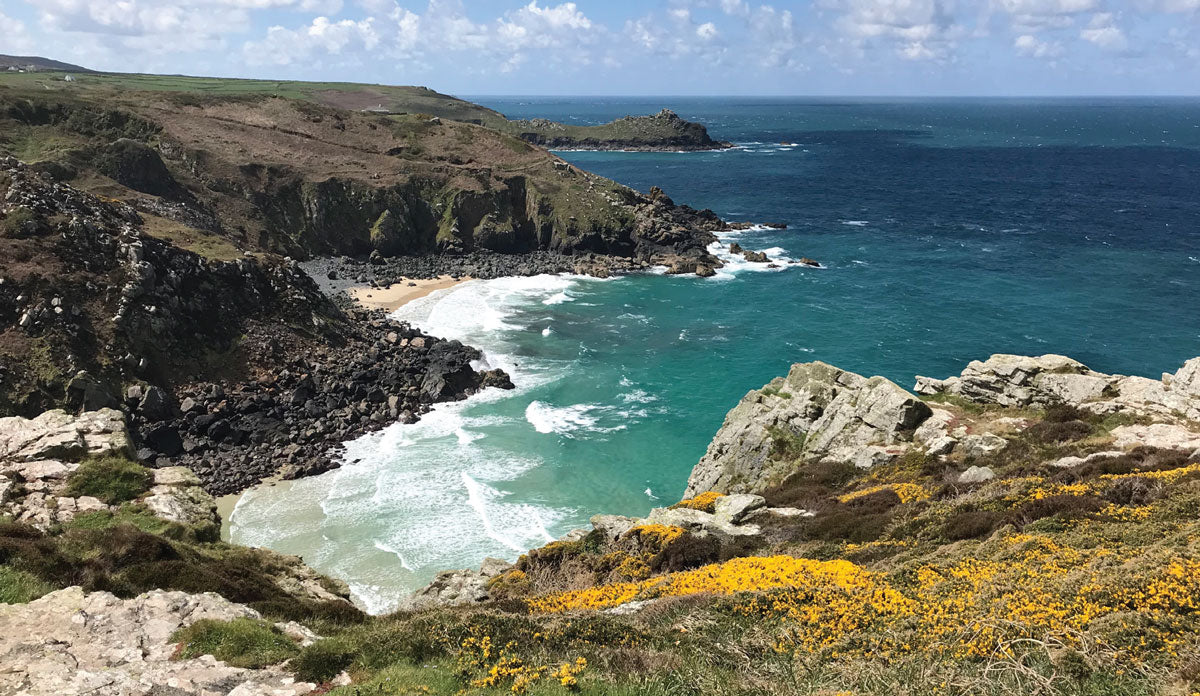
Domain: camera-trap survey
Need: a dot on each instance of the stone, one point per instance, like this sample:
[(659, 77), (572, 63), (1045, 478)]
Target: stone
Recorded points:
[(178, 497), (612, 526), (6, 489), (936, 426), (1162, 435), (70, 643), (981, 445), (55, 434), (156, 405), (733, 509), (976, 474), (941, 446), (830, 414)]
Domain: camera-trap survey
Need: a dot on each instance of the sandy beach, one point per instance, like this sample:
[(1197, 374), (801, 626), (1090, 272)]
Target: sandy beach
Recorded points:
[(397, 295)]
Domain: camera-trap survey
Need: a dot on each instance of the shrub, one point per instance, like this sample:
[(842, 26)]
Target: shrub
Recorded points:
[(1063, 507), (111, 479), (970, 524), (322, 661), (19, 587), (1053, 432), (18, 222), (249, 643), (785, 444)]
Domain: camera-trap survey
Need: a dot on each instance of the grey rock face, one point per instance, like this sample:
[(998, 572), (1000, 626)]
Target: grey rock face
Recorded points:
[(70, 643), (833, 412), (56, 435), (1042, 381)]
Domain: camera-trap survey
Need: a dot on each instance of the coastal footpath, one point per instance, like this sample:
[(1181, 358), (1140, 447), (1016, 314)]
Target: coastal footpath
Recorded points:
[(1029, 524)]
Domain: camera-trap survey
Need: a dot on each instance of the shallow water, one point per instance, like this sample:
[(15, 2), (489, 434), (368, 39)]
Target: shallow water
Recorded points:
[(948, 231)]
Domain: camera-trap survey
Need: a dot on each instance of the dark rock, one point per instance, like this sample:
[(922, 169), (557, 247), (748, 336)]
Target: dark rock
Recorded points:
[(164, 440), (156, 405)]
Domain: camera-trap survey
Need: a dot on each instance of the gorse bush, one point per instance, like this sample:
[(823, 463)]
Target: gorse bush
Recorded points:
[(112, 479)]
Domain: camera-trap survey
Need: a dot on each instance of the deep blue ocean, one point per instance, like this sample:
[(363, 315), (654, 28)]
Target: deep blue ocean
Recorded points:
[(948, 230)]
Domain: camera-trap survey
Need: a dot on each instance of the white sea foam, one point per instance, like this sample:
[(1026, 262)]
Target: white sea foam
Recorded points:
[(563, 420), (856, 223), (546, 331)]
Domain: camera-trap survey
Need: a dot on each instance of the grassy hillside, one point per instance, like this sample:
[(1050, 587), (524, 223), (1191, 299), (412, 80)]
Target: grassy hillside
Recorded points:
[(270, 173), (345, 95), (661, 131)]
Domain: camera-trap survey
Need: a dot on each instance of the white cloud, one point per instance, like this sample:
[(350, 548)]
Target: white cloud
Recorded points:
[(737, 8), (14, 40), (914, 29), (707, 31), (1030, 46), (1104, 32), (284, 46), (1032, 16)]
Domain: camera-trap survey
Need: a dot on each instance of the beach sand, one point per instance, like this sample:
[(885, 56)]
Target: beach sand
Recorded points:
[(397, 295)]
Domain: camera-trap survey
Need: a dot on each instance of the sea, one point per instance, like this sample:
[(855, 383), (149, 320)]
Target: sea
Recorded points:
[(946, 230)]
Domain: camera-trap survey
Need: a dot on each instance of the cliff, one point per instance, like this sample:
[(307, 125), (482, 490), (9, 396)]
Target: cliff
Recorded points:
[(227, 174), (239, 369)]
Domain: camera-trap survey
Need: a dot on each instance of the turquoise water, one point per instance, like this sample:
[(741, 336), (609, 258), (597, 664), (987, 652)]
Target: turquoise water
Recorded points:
[(948, 231)]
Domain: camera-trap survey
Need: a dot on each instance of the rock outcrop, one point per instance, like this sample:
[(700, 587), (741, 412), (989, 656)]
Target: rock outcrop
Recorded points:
[(38, 455), (817, 412), (71, 643), (1017, 380)]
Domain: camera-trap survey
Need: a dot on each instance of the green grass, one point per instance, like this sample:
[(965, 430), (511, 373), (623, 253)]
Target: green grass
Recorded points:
[(19, 587), (249, 643), (112, 479)]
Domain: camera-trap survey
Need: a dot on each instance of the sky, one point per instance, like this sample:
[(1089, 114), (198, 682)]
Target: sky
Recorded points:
[(630, 47)]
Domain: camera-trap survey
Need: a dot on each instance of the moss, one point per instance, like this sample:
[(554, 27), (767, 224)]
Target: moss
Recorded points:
[(249, 643), (775, 391), (785, 444), (141, 517), (112, 479), (19, 587)]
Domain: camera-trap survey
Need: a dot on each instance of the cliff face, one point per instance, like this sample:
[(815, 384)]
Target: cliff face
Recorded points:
[(290, 177), (235, 368)]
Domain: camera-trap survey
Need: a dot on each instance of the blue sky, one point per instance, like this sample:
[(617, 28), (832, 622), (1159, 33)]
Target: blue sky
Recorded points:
[(669, 47)]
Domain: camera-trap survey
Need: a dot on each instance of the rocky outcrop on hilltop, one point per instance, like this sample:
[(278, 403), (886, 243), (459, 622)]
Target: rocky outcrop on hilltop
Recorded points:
[(71, 643), (1017, 380), (664, 131)]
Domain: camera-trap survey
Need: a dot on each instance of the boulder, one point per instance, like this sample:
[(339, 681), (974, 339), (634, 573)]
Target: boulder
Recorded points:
[(177, 496), (976, 474), (56, 434), (156, 405), (1161, 435), (982, 445), (820, 412), (612, 526)]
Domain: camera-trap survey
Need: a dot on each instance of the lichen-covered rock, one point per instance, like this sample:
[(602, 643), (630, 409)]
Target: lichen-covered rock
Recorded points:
[(55, 434), (1042, 381), (817, 412), (178, 496), (71, 643)]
